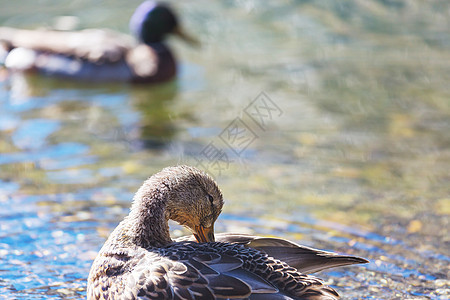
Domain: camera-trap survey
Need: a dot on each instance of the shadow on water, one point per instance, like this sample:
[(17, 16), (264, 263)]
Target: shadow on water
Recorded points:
[(153, 122), (157, 128)]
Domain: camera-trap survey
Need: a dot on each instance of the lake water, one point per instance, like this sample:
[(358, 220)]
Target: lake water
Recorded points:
[(327, 123)]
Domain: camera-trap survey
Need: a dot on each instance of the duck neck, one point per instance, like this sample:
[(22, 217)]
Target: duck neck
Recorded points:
[(148, 218)]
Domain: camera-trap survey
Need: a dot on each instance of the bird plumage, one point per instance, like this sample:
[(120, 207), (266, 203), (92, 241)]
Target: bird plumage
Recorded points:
[(189, 270), (140, 261)]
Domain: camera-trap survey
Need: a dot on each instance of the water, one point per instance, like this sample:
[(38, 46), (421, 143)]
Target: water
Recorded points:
[(354, 157)]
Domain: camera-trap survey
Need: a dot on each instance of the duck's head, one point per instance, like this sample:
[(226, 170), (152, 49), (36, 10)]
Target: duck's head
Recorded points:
[(195, 201), (183, 194), (152, 21)]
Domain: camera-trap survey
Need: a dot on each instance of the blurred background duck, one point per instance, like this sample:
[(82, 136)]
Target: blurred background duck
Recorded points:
[(99, 54)]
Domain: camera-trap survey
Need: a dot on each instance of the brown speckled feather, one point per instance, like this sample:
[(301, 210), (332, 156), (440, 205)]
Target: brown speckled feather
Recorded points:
[(188, 270)]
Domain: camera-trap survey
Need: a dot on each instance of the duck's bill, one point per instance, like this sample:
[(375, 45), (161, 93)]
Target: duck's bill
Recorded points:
[(178, 31), (204, 234)]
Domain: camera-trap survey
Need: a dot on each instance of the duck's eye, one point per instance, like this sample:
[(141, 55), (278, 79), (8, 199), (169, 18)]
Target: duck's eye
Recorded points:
[(211, 199)]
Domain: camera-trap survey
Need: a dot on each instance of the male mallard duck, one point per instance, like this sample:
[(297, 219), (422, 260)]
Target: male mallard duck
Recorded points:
[(140, 260), (98, 55)]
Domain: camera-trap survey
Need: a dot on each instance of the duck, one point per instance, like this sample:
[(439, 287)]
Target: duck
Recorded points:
[(99, 55), (139, 260)]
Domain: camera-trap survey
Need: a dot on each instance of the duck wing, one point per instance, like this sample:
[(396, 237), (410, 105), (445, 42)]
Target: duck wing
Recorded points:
[(265, 277), (305, 259), (94, 45)]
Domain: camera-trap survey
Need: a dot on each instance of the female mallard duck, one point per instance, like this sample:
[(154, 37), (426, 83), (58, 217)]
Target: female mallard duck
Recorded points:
[(139, 259), (98, 55)]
